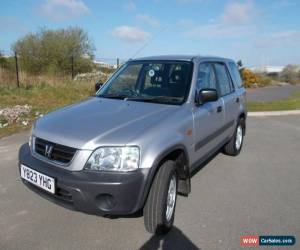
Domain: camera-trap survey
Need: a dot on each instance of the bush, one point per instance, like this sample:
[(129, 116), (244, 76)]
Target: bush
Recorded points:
[(7, 62), (51, 51), (2, 59), (291, 74), (264, 81), (249, 78)]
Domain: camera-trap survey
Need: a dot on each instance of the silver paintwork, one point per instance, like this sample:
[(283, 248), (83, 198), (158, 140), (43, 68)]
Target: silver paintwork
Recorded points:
[(154, 128)]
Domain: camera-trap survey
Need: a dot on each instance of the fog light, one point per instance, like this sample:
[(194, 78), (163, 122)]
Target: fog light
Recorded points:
[(105, 202)]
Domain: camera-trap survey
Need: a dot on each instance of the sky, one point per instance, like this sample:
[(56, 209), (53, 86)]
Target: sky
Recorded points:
[(261, 32)]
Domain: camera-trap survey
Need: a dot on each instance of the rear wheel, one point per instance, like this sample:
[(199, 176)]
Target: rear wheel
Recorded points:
[(234, 146), (160, 206)]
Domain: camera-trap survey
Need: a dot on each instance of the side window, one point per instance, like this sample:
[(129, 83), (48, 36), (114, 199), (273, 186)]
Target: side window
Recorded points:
[(236, 74), (223, 79), (206, 77)]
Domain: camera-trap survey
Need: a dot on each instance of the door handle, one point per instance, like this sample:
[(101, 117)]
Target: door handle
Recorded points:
[(219, 109), (237, 100)]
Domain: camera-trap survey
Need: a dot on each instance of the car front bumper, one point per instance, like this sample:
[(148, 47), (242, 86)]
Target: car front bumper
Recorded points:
[(105, 193)]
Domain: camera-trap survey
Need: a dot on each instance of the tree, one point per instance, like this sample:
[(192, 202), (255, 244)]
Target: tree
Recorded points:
[(290, 74), (51, 51)]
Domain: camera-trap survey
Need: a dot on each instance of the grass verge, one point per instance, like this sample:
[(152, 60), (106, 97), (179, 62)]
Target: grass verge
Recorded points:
[(291, 103), (46, 98), (43, 99)]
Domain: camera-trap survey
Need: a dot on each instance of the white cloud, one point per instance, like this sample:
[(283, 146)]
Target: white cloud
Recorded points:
[(235, 21), (60, 10), (148, 20), (130, 34), (289, 38), (238, 13), (130, 6)]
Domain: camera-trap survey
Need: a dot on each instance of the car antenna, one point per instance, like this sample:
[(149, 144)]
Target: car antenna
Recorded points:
[(149, 41)]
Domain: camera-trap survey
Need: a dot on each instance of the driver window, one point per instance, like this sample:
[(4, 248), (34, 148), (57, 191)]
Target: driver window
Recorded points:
[(206, 77), (127, 80)]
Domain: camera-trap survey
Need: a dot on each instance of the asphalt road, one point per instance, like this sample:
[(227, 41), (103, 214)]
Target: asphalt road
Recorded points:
[(271, 93), (256, 193)]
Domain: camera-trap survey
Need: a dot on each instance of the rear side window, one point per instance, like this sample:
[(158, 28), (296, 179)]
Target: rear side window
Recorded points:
[(223, 79), (206, 77), (235, 74)]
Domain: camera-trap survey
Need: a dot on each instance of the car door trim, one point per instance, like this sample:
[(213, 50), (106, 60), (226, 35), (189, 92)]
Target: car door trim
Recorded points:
[(209, 138)]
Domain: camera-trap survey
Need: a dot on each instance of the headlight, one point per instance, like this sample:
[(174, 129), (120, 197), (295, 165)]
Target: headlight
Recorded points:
[(114, 159), (30, 136), (30, 140)]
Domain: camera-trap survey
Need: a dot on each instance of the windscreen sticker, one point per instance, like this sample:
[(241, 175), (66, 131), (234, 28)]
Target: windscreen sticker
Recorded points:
[(151, 72), (156, 68)]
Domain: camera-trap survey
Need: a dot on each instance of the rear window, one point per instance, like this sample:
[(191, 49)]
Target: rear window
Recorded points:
[(235, 74)]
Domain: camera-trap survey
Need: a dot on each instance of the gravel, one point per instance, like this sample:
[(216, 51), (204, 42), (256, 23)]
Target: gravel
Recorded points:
[(10, 115)]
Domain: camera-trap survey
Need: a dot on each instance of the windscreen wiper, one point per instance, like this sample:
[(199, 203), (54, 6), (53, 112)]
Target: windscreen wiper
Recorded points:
[(141, 99), (113, 96), (154, 99)]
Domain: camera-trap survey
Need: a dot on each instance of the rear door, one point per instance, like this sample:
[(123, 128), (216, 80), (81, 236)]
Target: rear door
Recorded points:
[(208, 118), (228, 96), (239, 89)]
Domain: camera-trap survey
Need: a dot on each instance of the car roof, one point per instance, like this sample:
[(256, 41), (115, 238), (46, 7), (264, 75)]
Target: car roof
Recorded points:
[(180, 58)]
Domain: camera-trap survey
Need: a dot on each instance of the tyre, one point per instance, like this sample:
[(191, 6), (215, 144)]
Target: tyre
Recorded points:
[(160, 206), (234, 146)]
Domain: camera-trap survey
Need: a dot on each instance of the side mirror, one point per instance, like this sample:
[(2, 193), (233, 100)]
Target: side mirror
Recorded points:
[(98, 85), (206, 95)]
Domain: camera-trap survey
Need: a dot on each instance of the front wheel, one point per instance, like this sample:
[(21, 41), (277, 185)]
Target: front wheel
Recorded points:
[(160, 206), (234, 146)]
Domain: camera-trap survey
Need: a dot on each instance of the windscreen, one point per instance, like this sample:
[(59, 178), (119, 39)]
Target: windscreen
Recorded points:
[(159, 81)]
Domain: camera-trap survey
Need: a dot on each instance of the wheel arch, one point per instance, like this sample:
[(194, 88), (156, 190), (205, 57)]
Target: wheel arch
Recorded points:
[(178, 153)]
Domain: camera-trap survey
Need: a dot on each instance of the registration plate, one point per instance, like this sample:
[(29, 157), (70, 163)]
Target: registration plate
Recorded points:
[(38, 179)]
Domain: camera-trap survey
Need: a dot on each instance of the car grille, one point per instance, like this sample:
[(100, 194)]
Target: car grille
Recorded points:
[(53, 151)]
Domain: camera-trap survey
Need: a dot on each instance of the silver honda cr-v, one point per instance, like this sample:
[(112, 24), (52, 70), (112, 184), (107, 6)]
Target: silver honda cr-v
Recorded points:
[(134, 144)]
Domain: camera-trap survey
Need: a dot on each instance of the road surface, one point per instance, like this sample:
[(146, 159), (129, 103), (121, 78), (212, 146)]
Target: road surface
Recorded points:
[(256, 193)]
